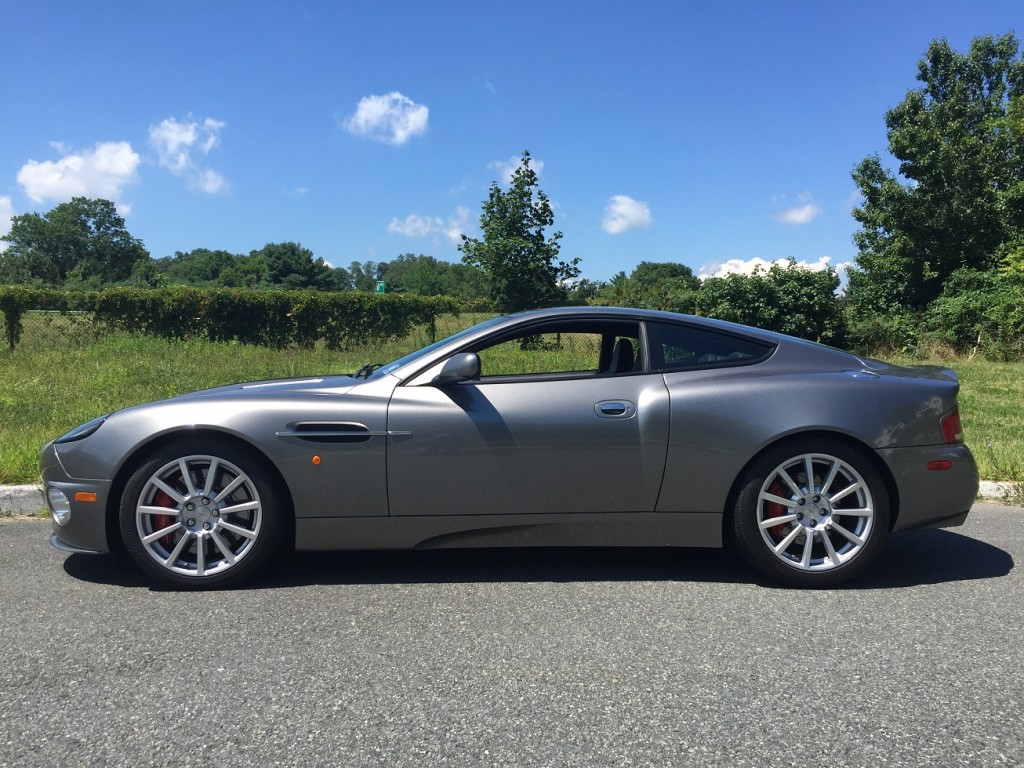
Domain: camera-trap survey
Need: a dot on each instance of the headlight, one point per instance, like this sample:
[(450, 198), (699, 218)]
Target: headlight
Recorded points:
[(60, 507), (83, 431)]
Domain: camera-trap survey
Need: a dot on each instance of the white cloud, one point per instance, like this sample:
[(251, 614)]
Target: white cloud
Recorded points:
[(800, 214), (391, 118), (749, 266), (507, 168), (181, 146), (623, 213), (6, 214), (415, 226), (426, 226), (103, 172)]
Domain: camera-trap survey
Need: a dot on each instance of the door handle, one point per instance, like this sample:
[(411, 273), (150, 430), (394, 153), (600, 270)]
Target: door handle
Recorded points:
[(615, 409)]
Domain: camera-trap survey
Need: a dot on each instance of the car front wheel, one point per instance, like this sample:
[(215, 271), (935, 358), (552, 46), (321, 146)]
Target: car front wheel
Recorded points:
[(811, 514), (199, 515)]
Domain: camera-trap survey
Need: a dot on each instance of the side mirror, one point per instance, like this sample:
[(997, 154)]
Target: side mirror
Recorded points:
[(461, 367)]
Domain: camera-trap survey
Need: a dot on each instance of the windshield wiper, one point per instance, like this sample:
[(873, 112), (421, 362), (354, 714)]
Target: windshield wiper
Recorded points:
[(366, 370)]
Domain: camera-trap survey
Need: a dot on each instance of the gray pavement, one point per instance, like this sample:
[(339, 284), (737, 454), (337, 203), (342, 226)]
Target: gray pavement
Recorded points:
[(519, 658)]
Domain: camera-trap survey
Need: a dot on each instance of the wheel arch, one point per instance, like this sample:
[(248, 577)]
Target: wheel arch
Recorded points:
[(138, 456), (802, 437)]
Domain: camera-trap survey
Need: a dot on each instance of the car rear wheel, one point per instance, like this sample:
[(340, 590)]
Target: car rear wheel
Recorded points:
[(199, 514), (811, 514)]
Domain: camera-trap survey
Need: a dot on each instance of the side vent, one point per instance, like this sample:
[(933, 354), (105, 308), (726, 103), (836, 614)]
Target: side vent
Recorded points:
[(329, 432)]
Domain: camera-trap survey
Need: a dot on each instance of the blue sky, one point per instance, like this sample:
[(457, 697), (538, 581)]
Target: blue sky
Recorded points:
[(711, 133)]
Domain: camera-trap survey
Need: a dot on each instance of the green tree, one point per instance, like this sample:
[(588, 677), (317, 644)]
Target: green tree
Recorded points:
[(82, 243), (427, 276), (958, 199), (980, 311), (654, 285), (292, 267), (516, 253), (201, 268), (365, 276), (787, 299)]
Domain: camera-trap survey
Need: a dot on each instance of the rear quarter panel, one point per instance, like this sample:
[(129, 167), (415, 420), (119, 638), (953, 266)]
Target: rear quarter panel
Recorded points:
[(721, 419)]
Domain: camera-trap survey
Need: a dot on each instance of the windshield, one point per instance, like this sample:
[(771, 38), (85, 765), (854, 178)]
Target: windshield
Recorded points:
[(394, 365)]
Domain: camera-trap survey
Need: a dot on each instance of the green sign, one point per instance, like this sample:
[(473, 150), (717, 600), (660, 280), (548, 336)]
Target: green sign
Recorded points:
[(380, 287)]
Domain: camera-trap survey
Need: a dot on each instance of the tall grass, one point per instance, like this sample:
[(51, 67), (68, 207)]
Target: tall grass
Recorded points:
[(63, 374)]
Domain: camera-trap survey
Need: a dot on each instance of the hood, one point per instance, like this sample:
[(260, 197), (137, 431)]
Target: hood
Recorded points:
[(335, 385)]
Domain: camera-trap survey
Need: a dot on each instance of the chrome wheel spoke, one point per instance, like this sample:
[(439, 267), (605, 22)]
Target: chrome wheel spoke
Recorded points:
[(805, 560), (224, 548), (243, 532), (248, 506), (779, 500), (787, 541), (161, 533), (173, 557), (784, 476), (233, 486), (830, 550), (186, 477), (832, 474), (168, 490), (852, 488), (211, 477), (809, 471), (200, 555), (771, 522), (169, 511), (852, 537)]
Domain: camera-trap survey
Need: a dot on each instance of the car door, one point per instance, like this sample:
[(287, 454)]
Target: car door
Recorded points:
[(542, 442)]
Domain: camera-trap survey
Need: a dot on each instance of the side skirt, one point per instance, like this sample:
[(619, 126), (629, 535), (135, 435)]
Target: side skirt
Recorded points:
[(633, 529)]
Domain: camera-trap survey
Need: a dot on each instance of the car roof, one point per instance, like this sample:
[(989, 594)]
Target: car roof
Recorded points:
[(636, 313)]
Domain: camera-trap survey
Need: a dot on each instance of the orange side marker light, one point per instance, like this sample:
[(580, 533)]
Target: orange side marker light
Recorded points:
[(87, 496)]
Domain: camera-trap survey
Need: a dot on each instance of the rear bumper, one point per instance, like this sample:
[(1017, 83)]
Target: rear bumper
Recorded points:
[(930, 498)]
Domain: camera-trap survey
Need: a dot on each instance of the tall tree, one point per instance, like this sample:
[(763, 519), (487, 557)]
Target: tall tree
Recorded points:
[(290, 266), (365, 276), (958, 200), (82, 243), (427, 276), (516, 253)]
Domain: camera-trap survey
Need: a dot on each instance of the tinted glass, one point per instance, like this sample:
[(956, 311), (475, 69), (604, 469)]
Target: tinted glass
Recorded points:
[(678, 347)]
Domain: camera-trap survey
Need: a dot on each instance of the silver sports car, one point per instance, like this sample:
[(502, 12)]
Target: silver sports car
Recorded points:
[(564, 427)]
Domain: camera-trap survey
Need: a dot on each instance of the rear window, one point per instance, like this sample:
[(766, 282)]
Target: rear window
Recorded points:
[(681, 347)]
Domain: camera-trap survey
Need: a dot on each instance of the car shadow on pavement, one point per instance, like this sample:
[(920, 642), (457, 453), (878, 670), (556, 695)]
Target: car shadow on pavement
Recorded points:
[(908, 559)]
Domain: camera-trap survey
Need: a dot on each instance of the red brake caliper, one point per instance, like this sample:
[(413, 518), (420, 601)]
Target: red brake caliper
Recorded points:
[(161, 499), (774, 509)]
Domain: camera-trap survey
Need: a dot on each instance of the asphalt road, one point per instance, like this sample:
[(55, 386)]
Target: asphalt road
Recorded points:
[(540, 658)]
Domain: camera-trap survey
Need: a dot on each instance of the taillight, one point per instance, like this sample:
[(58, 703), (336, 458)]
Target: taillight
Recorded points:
[(952, 431)]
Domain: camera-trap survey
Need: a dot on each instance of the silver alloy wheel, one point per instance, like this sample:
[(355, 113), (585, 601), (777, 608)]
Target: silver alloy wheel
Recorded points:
[(815, 512), (198, 515)]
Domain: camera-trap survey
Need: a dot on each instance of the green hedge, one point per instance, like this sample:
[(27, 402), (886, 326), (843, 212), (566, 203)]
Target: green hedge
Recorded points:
[(266, 318)]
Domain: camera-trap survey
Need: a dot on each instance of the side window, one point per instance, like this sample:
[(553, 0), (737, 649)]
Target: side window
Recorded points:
[(679, 347), (550, 352), (564, 349)]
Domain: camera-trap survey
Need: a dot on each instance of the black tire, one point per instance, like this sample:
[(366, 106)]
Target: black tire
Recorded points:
[(222, 524), (828, 531)]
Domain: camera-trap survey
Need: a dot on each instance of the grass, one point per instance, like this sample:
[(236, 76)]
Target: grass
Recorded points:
[(62, 374)]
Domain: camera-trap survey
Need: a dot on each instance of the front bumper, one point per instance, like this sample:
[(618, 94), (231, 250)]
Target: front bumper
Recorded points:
[(86, 529), (932, 498)]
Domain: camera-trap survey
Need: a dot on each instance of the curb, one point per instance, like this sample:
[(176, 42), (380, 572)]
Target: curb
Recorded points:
[(29, 500), (21, 500)]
